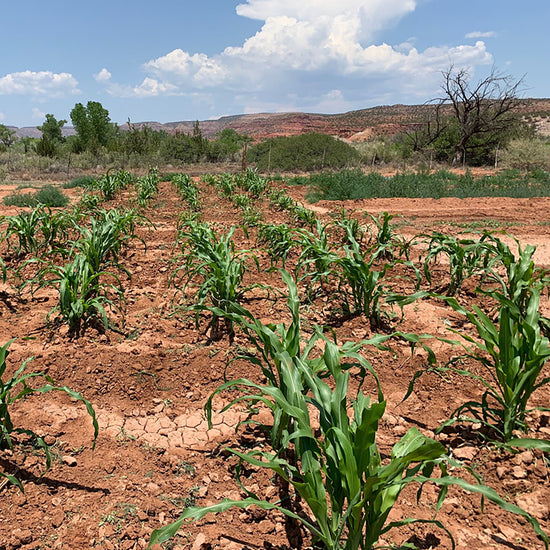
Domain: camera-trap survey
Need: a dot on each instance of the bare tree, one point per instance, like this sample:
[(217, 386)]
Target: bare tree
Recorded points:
[(484, 111)]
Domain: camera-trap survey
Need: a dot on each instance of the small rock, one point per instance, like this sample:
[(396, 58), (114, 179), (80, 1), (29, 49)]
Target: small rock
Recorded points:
[(153, 489), (199, 541), (518, 472), (24, 536), (58, 518), (399, 430), (465, 453), (501, 471), (536, 503), (69, 460)]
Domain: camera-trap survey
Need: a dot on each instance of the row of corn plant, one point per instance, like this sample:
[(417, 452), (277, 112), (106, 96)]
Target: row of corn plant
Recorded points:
[(111, 183), (147, 187), (336, 468), (89, 279), (189, 191), (37, 232), (211, 260)]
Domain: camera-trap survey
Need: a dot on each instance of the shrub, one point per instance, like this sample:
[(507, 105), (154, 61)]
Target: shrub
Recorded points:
[(48, 196), (51, 196), (526, 154), (19, 199)]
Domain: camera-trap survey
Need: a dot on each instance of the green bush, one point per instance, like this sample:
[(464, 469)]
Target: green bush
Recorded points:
[(305, 152), (48, 196), (526, 154), (51, 196), (19, 199)]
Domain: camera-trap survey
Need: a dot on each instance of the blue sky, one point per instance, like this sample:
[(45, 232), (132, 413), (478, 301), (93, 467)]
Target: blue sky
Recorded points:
[(181, 60)]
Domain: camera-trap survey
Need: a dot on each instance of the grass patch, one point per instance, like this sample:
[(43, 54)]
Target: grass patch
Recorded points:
[(354, 184), (82, 181)]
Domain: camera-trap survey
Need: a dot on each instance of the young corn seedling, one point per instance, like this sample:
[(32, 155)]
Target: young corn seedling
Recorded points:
[(17, 388), (83, 296), (252, 182), (109, 232), (362, 282), (467, 257), (213, 260), (512, 353), (317, 258), (279, 240), (23, 228), (520, 274), (384, 243), (147, 188), (188, 190)]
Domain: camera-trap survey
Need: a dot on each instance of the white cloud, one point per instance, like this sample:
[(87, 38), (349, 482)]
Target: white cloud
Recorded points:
[(37, 114), (2, 116), (42, 83), (103, 76), (479, 34), (299, 53)]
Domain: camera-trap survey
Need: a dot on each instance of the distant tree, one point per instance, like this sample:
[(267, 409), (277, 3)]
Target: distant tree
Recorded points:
[(484, 112), (7, 136), (51, 136), (200, 144), (51, 129), (226, 145), (93, 126), (27, 142)]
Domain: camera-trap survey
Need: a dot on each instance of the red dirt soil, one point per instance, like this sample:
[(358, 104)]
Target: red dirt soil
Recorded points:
[(155, 454)]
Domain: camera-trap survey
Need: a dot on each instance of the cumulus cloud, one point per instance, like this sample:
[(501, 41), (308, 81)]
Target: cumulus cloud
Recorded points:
[(306, 45), (37, 114), (41, 83), (103, 76), (479, 34)]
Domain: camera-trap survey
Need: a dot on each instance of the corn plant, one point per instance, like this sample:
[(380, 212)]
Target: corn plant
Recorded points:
[(384, 243), (111, 183), (213, 260), (147, 187), (280, 199), (349, 226), (279, 240), (520, 273), (361, 284), (109, 231), (188, 190), (467, 257), (83, 295), (338, 471), (37, 232), (251, 216), (23, 228), (317, 258), (512, 353), (302, 215), (278, 350), (16, 389), (251, 181)]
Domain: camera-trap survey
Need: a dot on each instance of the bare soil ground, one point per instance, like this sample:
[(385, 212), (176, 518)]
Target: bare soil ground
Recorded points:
[(155, 453)]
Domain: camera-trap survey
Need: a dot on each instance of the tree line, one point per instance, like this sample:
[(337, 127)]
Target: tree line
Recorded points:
[(469, 124)]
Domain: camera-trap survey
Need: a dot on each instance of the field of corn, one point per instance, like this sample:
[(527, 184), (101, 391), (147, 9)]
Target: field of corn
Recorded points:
[(215, 363)]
